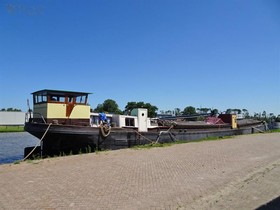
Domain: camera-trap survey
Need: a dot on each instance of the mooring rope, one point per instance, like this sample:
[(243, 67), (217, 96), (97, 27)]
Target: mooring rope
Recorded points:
[(168, 131), (37, 143), (105, 130), (144, 137), (155, 142), (170, 128), (257, 129)]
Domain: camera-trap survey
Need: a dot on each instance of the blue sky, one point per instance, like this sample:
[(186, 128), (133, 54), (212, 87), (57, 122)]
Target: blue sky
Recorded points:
[(170, 53)]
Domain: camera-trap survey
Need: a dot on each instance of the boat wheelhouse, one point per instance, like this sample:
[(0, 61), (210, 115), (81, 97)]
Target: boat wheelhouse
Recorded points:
[(61, 107)]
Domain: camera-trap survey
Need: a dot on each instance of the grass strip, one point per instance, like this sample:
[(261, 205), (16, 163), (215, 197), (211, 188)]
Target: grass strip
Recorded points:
[(274, 131), (153, 145), (11, 128)]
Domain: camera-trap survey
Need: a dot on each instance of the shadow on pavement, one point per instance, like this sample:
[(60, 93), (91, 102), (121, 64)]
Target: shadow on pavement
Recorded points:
[(273, 204)]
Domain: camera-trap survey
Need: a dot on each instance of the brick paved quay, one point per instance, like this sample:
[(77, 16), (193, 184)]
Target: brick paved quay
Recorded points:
[(237, 173)]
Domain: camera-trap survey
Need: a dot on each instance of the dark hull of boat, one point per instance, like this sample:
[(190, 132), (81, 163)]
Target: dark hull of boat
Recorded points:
[(69, 139)]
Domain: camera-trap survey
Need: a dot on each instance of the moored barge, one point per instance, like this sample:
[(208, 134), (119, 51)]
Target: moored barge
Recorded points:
[(62, 120)]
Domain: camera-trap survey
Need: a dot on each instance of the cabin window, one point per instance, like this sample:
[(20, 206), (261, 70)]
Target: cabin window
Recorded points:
[(129, 121), (55, 98), (40, 99), (94, 120), (70, 99), (61, 99), (81, 99)]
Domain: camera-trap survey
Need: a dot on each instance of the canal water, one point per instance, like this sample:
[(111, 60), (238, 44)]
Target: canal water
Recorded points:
[(12, 146)]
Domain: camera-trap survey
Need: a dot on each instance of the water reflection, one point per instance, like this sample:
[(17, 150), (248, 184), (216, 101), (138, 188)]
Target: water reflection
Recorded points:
[(12, 145)]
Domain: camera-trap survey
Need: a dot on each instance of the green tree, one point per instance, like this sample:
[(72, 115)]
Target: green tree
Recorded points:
[(177, 111), (203, 110), (151, 109), (11, 110), (264, 114), (228, 111), (245, 113), (257, 115), (271, 115), (99, 108), (214, 112), (109, 106), (168, 112), (189, 110), (130, 106), (237, 111)]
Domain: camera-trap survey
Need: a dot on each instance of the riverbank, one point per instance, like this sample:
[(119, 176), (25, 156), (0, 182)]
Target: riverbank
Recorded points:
[(11, 128), (236, 173)]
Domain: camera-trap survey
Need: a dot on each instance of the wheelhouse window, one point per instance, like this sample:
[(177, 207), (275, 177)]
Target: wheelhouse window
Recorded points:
[(40, 98), (62, 97), (81, 100), (56, 98), (70, 99)]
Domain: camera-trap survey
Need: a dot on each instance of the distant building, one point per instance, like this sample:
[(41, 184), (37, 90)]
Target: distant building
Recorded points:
[(12, 118)]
